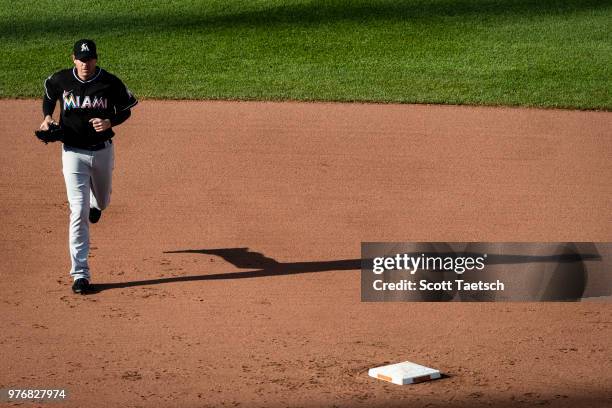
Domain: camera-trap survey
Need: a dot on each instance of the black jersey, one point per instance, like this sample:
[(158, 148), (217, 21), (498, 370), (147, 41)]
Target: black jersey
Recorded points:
[(102, 96)]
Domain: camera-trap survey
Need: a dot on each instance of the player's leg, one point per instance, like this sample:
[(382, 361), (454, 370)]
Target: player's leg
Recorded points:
[(76, 166), (102, 177)]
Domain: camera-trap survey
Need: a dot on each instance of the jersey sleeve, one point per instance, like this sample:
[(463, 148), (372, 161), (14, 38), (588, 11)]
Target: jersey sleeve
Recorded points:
[(124, 99), (51, 94)]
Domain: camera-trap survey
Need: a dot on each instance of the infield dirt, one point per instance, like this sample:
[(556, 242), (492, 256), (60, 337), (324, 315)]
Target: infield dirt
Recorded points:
[(227, 258)]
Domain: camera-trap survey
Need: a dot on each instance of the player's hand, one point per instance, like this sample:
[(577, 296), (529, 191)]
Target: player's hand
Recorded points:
[(45, 125), (100, 125)]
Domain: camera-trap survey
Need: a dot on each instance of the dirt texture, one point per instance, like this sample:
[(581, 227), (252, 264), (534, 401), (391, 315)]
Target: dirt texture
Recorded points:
[(227, 260)]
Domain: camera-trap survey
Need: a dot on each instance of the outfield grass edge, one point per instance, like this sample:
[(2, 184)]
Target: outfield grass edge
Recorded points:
[(351, 102)]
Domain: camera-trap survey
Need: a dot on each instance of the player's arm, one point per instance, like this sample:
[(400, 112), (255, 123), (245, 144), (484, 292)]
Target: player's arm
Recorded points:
[(125, 101), (118, 118), (122, 110), (48, 104)]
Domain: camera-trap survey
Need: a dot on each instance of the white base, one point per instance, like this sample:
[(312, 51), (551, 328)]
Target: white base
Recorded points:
[(404, 373)]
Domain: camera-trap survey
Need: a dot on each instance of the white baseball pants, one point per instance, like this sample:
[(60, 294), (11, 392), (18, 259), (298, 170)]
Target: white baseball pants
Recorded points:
[(88, 177)]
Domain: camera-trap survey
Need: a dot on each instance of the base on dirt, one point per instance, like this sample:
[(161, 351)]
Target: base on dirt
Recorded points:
[(404, 373)]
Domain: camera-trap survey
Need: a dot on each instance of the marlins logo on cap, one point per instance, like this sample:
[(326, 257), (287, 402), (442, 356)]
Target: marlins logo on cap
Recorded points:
[(85, 49)]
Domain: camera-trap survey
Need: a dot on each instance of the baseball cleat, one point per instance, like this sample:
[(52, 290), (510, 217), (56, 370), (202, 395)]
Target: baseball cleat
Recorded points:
[(80, 285), (94, 215)]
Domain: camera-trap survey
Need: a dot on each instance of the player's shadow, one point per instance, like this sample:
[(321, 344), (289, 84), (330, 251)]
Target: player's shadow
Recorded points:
[(244, 259), (260, 265)]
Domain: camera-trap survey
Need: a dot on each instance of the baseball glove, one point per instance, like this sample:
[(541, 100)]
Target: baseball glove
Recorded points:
[(54, 134)]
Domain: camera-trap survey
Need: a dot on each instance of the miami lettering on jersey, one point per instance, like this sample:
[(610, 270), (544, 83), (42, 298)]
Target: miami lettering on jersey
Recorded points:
[(74, 102)]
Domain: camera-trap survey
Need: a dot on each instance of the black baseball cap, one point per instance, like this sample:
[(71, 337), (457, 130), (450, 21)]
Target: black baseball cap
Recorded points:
[(84, 49)]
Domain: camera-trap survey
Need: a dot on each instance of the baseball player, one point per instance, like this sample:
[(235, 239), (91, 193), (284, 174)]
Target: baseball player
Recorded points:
[(92, 103)]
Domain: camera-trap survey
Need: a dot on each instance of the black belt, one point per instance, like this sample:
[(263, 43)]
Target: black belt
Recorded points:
[(100, 146), (96, 147)]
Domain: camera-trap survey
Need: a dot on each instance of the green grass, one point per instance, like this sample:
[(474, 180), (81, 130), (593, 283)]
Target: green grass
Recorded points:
[(548, 53)]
